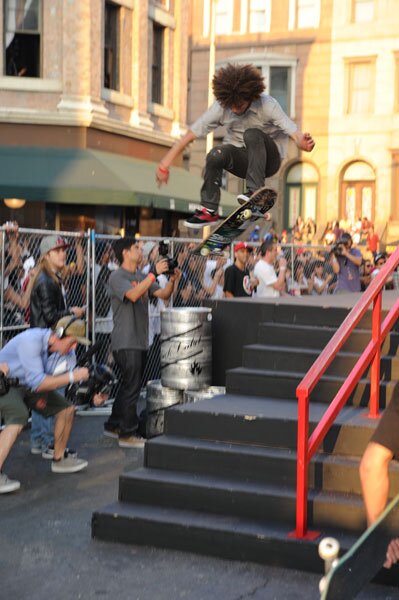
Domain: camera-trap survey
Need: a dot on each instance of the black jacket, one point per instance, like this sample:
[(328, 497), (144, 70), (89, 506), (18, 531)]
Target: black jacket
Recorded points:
[(47, 304)]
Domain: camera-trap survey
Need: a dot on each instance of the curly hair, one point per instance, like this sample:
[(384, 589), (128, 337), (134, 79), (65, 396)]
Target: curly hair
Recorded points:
[(234, 84)]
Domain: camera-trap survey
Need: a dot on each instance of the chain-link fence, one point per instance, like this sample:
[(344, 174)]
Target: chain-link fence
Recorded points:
[(90, 261)]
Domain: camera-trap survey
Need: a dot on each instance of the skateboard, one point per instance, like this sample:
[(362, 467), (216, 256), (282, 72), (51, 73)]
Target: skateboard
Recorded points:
[(231, 228), (348, 575)]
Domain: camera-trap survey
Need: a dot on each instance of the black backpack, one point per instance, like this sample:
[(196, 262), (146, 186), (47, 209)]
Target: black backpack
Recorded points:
[(103, 300)]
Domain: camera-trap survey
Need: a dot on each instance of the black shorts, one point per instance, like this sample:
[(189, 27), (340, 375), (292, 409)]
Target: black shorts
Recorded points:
[(387, 430)]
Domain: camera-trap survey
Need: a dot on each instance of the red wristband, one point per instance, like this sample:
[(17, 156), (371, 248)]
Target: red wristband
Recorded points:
[(152, 276), (163, 170)]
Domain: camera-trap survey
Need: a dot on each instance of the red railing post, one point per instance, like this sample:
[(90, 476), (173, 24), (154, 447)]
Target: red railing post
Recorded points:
[(302, 465), (375, 365)]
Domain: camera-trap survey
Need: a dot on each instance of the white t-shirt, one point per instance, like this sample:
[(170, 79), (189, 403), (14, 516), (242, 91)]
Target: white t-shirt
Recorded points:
[(266, 275)]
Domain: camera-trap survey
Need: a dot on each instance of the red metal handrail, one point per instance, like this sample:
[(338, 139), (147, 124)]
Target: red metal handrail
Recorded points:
[(308, 446)]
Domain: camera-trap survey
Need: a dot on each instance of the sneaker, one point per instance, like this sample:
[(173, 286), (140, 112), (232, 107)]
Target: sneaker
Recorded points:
[(8, 485), (36, 450), (68, 464), (132, 441), (201, 218), (112, 432), (244, 197), (48, 453)]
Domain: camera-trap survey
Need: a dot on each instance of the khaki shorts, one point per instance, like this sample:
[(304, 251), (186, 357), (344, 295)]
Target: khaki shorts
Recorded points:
[(15, 406)]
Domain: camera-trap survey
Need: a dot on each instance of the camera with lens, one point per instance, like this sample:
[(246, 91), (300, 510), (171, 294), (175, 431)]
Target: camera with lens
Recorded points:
[(6, 383), (101, 379), (338, 248), (163, 252)]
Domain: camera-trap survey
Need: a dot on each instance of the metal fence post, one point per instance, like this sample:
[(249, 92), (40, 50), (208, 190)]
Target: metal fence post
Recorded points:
[(2, 286), (92, 275)]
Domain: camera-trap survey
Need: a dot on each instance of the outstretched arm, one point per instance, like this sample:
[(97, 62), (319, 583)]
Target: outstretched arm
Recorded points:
[(162, 172), (304, 141)]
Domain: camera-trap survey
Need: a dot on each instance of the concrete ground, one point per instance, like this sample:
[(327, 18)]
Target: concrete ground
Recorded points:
[(46, 550)]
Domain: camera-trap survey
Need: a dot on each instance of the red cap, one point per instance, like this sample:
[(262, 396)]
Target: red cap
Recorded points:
[(242, 245)]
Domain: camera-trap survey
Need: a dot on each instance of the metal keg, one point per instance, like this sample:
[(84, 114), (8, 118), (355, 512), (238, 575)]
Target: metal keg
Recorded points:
[(209, 392), (160, 397), (186, 348)]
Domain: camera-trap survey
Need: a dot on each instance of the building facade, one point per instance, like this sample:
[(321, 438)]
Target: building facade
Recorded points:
[(89, 76), (334, 67)]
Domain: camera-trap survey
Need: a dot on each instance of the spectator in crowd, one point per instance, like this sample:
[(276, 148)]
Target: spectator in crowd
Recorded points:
[(309, 230), (365, 274), (379, 262), (356, 231), (48, 304), (215, 286), (15, 295), (74, 272), (299, 285), (373, 241), (320, 280), (269, 284), (26, 357), (284, 237), (237, 279), (130, 290), (337, 231), (103, 268), (365, 229), (298, 231), (329, 235), (346, 263)]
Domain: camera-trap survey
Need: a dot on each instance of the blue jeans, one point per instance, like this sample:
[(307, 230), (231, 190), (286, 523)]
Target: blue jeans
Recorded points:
[(42, 431)]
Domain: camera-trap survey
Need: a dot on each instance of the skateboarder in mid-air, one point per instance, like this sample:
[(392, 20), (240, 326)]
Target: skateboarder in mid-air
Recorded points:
[(255, 142)]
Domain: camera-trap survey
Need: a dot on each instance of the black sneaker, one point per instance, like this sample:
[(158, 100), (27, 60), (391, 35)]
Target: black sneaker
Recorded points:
[(201, 218), (48, 453), (244, 197)]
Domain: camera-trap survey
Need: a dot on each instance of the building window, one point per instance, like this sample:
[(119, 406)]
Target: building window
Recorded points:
[(304, 14), (358, 192), (22, 25), (111, 46), (396, 99), (158, 34), (224, 13), (301, 194), (259, 15), (360, 95), (362, 11), (279, 86)]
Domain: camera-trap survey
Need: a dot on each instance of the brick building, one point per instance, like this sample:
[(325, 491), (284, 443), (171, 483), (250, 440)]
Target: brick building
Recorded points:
[(334, 67), (92, 93)]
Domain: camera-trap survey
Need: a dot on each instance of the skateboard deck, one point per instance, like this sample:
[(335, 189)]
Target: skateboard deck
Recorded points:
[(231, 228), (355, 569)]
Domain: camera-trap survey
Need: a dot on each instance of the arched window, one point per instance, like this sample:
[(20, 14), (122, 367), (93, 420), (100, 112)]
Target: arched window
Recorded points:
[(301, 193), (358, 192)]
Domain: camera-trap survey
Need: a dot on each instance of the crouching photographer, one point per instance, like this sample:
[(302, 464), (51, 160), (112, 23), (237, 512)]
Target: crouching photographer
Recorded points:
[(26, 362), (346, 261)]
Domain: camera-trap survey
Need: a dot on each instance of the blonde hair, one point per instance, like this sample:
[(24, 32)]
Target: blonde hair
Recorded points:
[(43, 266)]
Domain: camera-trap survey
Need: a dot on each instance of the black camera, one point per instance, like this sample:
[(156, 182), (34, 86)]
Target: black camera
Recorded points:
[(100, 380), (6, 383), (338, 248), (163, 252)]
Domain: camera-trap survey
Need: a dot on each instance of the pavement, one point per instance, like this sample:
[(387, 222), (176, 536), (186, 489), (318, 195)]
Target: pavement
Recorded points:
[(46, 550)]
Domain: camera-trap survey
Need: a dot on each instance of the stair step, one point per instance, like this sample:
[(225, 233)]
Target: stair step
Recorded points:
[(266, 422), (275, 466), (283, 384), (307, 336), (261, 356)]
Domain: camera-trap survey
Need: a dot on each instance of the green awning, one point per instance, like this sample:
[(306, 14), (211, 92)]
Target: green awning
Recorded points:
[(76, 176)]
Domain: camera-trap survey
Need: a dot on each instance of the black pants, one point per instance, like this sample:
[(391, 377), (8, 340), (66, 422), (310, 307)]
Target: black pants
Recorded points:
[(124, 410), (259, 158)]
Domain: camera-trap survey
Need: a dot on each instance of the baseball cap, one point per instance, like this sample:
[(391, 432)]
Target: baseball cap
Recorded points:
[(73, 327), (243, 245), (51, 242), (147, 248)]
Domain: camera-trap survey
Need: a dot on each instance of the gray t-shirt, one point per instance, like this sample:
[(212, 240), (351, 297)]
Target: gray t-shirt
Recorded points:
[(265, 114), (130, 318)]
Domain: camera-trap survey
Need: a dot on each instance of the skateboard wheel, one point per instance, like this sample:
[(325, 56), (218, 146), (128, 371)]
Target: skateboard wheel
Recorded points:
[(328, 548), (247, 214), (205, 252)]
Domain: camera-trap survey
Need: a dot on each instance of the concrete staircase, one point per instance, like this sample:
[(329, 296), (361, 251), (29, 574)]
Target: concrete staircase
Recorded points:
[(221, 480)]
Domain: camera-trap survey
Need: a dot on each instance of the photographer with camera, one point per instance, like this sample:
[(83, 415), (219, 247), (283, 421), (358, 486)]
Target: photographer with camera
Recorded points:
[(25, 363), (346, 261), (130, 289)]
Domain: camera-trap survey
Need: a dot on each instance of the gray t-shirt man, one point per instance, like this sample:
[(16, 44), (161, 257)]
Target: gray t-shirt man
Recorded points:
[(130, 318)]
